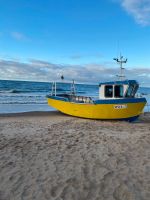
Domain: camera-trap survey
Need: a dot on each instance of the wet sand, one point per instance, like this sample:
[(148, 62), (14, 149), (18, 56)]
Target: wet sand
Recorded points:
[(51, 156)]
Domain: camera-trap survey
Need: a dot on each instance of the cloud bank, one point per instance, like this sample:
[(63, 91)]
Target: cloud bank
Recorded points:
[(37, 70), (139, 9)]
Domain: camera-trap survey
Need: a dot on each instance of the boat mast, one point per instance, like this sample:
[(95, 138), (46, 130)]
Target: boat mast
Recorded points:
[(53, 91), (120, 61), (73, 89)]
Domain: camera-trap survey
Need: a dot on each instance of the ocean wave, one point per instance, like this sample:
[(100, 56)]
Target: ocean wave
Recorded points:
[(16, 91), (13, 91), (22, 103)]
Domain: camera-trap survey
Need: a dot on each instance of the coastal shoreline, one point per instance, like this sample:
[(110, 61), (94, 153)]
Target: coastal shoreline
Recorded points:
[(22, 108), (31, 113), (142, 118), (49, 155)]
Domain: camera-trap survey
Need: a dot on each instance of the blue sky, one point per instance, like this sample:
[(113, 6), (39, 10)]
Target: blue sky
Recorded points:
[(39, 40)]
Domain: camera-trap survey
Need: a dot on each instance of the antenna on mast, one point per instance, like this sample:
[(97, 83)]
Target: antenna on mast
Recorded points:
[(120, 61)]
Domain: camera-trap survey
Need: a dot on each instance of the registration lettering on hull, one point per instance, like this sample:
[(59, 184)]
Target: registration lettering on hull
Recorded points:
[(124, 106)]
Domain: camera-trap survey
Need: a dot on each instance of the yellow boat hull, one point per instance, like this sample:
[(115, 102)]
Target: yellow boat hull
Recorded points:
[(98, 111)]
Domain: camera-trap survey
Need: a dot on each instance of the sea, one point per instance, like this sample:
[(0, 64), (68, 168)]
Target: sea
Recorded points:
[(25, 96)]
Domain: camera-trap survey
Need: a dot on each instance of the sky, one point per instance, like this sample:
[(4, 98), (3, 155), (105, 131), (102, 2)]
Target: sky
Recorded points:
[(41, 40)]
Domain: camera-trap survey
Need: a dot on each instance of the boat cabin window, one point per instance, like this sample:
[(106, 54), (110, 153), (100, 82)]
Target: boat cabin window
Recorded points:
[(108, 91), (118, 89), (132, 89)]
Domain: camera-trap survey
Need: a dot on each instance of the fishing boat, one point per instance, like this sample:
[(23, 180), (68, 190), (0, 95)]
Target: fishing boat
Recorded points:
[(117, 100)]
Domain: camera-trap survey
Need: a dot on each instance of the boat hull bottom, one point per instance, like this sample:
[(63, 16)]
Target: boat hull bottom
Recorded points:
[(129, 119)]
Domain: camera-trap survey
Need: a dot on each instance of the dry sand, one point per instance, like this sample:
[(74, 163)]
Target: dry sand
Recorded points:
[(56, 157)]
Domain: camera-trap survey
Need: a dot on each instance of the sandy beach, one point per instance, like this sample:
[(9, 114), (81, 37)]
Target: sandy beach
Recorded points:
[(51, 156)]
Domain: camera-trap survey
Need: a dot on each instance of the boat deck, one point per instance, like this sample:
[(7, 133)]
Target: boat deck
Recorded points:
[(77, 99)]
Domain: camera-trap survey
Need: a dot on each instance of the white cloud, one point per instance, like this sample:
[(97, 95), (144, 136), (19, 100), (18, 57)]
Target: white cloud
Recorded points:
[(18, 36), (37, 70), (139, 9), (80, 56)]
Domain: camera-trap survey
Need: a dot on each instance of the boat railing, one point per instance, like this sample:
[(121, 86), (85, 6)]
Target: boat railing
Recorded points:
[(54, 89)]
